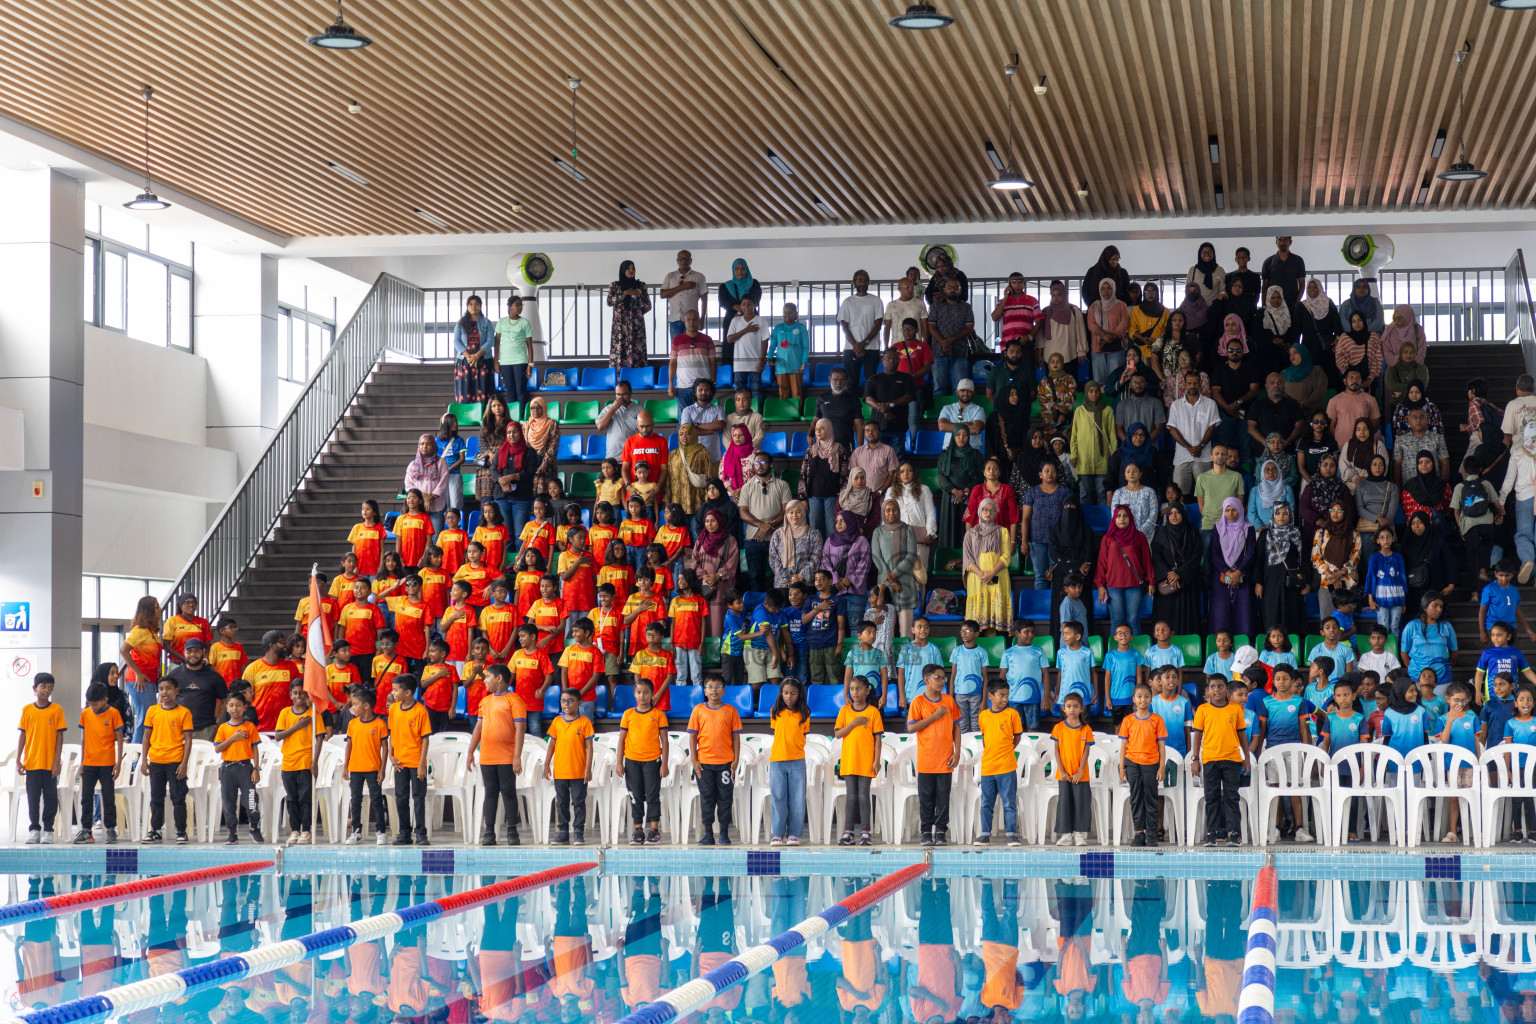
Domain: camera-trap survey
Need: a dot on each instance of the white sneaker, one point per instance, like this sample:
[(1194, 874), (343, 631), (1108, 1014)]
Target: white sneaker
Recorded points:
[(1274, 836), (34, 837), (1303, 836), (353, 838), (382, 839), (304, 837), (1079, 838), (293, 837), (1065, 839), (47, 838), (1450, 837)]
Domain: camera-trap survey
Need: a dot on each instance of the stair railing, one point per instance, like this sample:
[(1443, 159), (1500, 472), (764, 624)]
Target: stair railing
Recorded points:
[(1518, 322), (389, 319)]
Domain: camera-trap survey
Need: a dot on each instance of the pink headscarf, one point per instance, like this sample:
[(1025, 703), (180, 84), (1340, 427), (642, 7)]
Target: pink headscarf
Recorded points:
[(1393, 338), (735, 465), (1232, 535), (1226, 336)]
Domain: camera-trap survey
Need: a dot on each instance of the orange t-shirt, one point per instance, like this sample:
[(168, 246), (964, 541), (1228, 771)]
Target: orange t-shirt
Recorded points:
[(452, 544), (366, 541), (434, 589), (582, 667), (360, 624), (539, 536), (407, 726), (1000, 984), (384, 672), (98, 746), (606, 625), (500, 627), (525, 590), (499, 716), (547, 616), (622, 577), (298, 747), (863, 971), (366, 737), (687, 615), (936, 743), (580, 591), (457, 632), (437, 686), (412, 531), (177, 631), (494, 540), (636, 533), (341, 589), (412, 621), (473, 678), (598, 539), (528, 674), (328, 610), (478, 578), (789, 732), (270, 685), (244, 746), (655, 666), (1071, 745), (642, 741), (568, 746), (672, 538), (715, 728), (999, 737), (339, 678), (651, 609), (1141, 736), (858, 752), (228, 661), (144, 650)]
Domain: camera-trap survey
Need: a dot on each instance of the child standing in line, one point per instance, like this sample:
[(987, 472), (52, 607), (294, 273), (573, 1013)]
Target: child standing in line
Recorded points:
[(410, 736), (167, 746), (1123, 672), (714, 741), (642, 609), (912, 662), (525, 581), (549, 614), (733, 662), (578, 571), (1503, 656), (413, 529), (493, 537), (451, 541), (617, 574), (1435, 706), (968, 674), (341, 675), (824, 624), (581, 665), (1170, 704), (656, 561), (476, 573), (240, 774), (101, 750), (688, 612), (867, 661), (498, 735), (859, 727), (1023, 670), (1142, 755), (1277, 649), (1220, 661), (1386, 582), (539, 532), (934, 718), (1343, 726), (1074, 668), (533, 674), (367, 539), (791, 722), (297, 733), (439, 688), (1498, 709), (1500, 602), (655, 663), (367, 747), (227, 655), (1285, 717), (1405, 725), (1334, 647), (607, 630), (1072, 608), (604, 530), (456, 622), (39, 754), (764, 665), (1074, 800), (636, 531), (642, 762), (1001, 728), (1222, 757), (789, 347), (1378, 659), (1520, 730), (569, 766), (1459, 727)]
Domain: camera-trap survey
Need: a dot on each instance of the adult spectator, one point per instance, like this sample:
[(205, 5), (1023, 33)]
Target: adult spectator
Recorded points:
[(1216, 485), (1269, 491), (844, 407), (1107, 268), (1012, 371), (1481, 428), (1413, 401), (1358, 349), (690, 359), (1198, 314), (823, 475), (1073, 548), (951, 324), (1149, 321), (1109, 321), (1418, 438), (1402, 374), (859, 318), (1427, 490), (1038, 511), (944, 271), (893, 550), (645, 446), (1063, 330), (1479, 513), (200, 689), (1218, 327), (1177, 553), (876, 458), (717, 499), (1017, 314), (493, 433), (428, 473), (618, 420), (963, 412), (630, 300), (689, 468), (915, 501), (683, 289), (1284, 270), (1008, 436), (542, 432), (761, 504), (1056, 392), (1429, 642), (1367, 305), (1234, 383), (959, 470), (1231, 554), (905, 306), (1353, 403), (1321, 492), (1274, 412), (1192, 422), (1335, 555), (715, 558), (794, 552), (1519, 413), (892, 399), (707, 418), (846, 556), (474, 369), (1306, 382), (858, 500), (1521, 480), (1356, 454), (1125, 570), (514, 466), (1377, 499), (1251, 281), (994, 487), (740, 285), (514, 351), (1207, 275), (736, 463), (1281, 579), (1132, 479), (1277, 331), (1173, 383), (1403, 330), (1427, 560), (747, 341), (1319, 321), (744, 415)]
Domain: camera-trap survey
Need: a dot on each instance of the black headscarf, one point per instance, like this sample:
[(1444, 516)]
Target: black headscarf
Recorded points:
[(116, 697), (627, 281), (1419, 548), (1177, 545), (1399, 701), (1071, 539), (723, 506), (1013, 420), (1206, 269), (1428, 489)]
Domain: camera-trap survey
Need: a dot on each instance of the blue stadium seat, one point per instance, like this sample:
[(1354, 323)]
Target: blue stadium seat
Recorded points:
[(824, 701), (471, 448), (623, 700), (740, 698), (596, 378), (1100, 609), (799, 441), (640, 378), (474, 521), (822, 376), (684, 700), (766, 695), (389, 522), (663, 377), (776, 443), (1035, 604), (946, 618), (570, 376), (671, 442), (929, 442), (890, 708), (1097, 517), (552, 701), (724, 377), (600, 695), (596, 449), (586, 517), (570, 447)]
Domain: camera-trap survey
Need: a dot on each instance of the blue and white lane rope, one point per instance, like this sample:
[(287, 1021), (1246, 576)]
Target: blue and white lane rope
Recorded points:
[(151, 992), (690, 996), (1256, 1002)]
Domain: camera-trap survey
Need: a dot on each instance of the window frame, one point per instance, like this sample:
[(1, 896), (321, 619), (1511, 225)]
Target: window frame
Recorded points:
[(298, 315), (97, 248)]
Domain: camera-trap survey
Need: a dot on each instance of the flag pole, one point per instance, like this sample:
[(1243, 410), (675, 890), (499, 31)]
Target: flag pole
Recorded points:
[(314, 717)]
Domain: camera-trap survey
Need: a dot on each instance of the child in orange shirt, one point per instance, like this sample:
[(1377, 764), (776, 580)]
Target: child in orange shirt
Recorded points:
[(525, 584), (673, 536), (688, 612), (578, 570), (570, 519), (654, 662), (859, 726), (452, 541), (642, 761), (656, 561), (1141, 762), (299, 735), (240, 773), (498, 735), (434, 581), (101, 750), (714, 742), (386, 665), (227, 656), (341, 675), (581, 665), (603, 531), (473, 677), (367, 747), (607, 627), (636, 532), (410, 735), (499, 621), (548, 615), (642, 609), (456, 622), (617, 574), (439, 685), (492, 536), (413, 529), (477, 574), (539, 531), (569, 765), (367, 539), (1074, 801), (341, 586), (933, 717)]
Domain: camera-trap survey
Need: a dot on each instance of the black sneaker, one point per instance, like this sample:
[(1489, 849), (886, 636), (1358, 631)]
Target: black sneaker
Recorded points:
[(1140, 839), (707, 839), (488, 839), (1235, 839), (422, 840), (84, 836), (653, 837), (513, 839), (154, 837), (637, 837), (580, 838), (232, 840), (562, 838), (926, 840), (1211, 839), (864, 839), (403, 839), (111, 836), (982, 841), (1152, 839), (725, 838), (181, 839), (847, 839), (940, 837), (257, 837)]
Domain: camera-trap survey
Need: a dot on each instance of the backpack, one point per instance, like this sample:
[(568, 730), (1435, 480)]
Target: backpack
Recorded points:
[(1474, 501)]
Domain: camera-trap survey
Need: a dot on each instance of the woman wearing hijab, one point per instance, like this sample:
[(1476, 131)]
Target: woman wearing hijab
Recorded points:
[(1232, 556), (1056, 391), (846, 556), (631, 300), (1232, 329), (1427, 559), (984, 557), (1355, 459), (428, 473), (1275, 448), (1429, 642), (823, 474), (894, 550), (474, 370), (856, 502), (1377, 499), (1335, 555), (1007, 435), (1207, 274), (1321, 491), (1135, 450), (1428, 492), (1072, 551), (740, 285), (794, 550), (1305, 382), (994, 488), (1197, 318), (1411, 395), (1237, 303), (1109, 320), (1177, 552), (1281, 578), (1278, 331), (1173, 383), (1163, 353), (1149, 319), (1319, 321), (515, 465), (542, 433), (715, 558), (736, 463), (717, 499), (959, 471), (1124, 571), (1269, 490), (1108, 268), (915, 501), (1358, 348), (1063, 330), (688, 470), (1367, 305)]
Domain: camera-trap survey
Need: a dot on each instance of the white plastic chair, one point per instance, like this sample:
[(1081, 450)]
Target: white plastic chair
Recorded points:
[(1376, 775), (1378, 941), (447, 783), (1292, 770), (67, 783), (1104, 780), (1508, 772), (1194, 804), (1433, 774), (1438, 939)]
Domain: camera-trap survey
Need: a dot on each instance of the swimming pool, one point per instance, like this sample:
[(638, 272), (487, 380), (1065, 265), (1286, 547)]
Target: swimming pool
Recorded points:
[(949, 946)]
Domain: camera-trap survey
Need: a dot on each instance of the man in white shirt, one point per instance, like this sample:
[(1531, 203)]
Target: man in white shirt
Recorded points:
[(750, 337), (705, 415), (962, 411), (906, 304), (619, 419), (1519, 412), (860, 317), (683, 289), (1192, 420)]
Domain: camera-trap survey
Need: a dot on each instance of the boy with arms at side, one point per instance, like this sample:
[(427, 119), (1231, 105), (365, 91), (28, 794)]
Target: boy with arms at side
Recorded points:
[(1023, 670), (167, 745), (642, 762), (581, 666), (912, 662), (410, 736), (859, 726), (297, 733), (654, 663), (1001, 728), (1074, 799), (39, 756), (498, 735), (367, 747), (1222, 757), (714, 741), (934, 718), (1458, 727), (1142, 756), (240, 773), (101, 752), (569, 766)]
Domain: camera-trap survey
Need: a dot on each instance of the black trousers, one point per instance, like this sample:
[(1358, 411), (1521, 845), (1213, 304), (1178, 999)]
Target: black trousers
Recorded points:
[(717, 791), (1074, 807), (42, 789), (299, 786), (1479, 541), (856, 804), (411, 793), (1220, 780), (643, 778), (570, 801), (239, 791), (438, 720), (375, 800), (1143, 782), (933, 801), (500, 784), (90, 776), (161, 778)]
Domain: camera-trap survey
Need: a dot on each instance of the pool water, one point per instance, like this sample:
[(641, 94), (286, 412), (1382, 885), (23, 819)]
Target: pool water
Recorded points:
[(592, 948)]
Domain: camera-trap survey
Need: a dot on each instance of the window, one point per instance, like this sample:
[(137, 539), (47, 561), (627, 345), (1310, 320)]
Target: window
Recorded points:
[(145, 296), (303, 339)]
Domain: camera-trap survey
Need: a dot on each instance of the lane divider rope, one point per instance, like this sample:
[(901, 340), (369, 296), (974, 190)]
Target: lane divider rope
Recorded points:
[(50, 906), (1256, 1001), (152, 992), (690, 996)]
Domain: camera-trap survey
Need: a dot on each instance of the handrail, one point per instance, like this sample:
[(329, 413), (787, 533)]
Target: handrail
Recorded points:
[(389, 319), (1519, 324)]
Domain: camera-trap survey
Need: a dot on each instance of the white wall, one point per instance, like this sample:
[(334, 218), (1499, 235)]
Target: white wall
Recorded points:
[(144, 389)]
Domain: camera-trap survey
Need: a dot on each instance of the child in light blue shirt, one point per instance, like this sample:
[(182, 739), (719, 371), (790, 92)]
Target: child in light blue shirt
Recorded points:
[(1173, 708), (1277, 649), (789, 345), (1072, 608), (1218, 663), (968, 675), (1122, 671), (1334, 647), (1074, 666), (1163, 651), (1023, 667)]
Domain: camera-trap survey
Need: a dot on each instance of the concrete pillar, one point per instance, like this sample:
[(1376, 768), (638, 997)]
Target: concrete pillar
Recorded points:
[(42, 373), (235, 329)]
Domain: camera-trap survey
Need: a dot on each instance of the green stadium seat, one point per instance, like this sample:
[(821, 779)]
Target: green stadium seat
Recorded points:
[(1191, 644), (467, 413), (662, 410), (583, 485), (711, 652), (780, 410), (994, 646), (1140, 643), (945, 644), (943, 556), (580, 414), (1096, 645), (1048, 645), (929, 476)]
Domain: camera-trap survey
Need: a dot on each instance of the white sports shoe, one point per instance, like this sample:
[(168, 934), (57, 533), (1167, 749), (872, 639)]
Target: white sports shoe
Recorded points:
[(1303, 836), (1065, 839), (1080, 838)]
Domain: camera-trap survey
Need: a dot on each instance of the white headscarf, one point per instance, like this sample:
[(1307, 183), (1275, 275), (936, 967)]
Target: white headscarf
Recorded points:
[(1276, 318)]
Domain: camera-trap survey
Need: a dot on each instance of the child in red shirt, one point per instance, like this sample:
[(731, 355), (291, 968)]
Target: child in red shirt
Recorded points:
[(603, 531), (636, 532), (578, 571), (642, 609), (452, 541), (617, 574), (439, 684)]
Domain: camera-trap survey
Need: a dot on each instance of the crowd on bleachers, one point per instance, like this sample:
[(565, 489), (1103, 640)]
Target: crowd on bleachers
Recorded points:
[(1121, 489)]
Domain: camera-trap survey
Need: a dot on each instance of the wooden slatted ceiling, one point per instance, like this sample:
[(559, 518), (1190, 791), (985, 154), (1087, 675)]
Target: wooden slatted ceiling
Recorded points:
[(1320, 104)]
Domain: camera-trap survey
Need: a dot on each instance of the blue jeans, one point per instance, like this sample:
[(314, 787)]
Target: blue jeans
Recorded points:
[(856, 605), (786, 790), (1090, 487), (141, 701), (751, 380), (1125, 607), (636, 557), (1231, 431), (1029, 713), (1006, 787), (690, 666), (685, 399), (1391, 618), (949, 371), (674, 328), (1040, 560), (515, 514), (823, 512), (535, 725), (1525, 530), (1107, 366)]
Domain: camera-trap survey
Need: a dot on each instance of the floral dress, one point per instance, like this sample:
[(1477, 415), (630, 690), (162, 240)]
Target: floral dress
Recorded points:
[(1056, 395), (627, 346), (474, 381)]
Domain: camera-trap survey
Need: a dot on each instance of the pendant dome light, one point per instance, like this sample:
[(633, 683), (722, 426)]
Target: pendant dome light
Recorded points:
[(1009, 179), (340, 35), (146, 200), (921, 17), (1463, 169)]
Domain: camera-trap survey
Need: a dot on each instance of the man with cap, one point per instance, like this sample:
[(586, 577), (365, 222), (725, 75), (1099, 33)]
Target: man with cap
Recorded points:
[(270, 677), (199, 688), (962, 411)]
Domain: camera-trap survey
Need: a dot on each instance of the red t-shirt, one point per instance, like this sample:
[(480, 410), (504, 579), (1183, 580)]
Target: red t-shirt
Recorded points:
[(651, 449)]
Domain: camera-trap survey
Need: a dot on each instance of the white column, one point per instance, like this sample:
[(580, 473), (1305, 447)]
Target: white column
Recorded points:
[(42, 356), (235, 327)]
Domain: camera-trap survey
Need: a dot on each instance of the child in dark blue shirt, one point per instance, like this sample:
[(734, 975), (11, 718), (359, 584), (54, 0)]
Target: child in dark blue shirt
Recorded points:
[(1498, 710)]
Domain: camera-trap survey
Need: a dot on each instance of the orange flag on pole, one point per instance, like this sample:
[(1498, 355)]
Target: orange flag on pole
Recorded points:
[(318, 647)]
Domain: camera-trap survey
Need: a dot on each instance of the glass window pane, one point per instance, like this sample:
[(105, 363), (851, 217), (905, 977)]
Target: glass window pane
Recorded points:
[(114, 284), (89, 606), (147, 316), (284, 344), (171, 246), (90, 282), (119, 597), (88, 659), (181, 311)]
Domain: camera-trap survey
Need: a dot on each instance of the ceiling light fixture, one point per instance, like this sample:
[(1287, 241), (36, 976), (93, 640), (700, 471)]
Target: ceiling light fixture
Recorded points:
[(633, 214), (1513, 5), (779, 164), (921, 17), (354, 107), (569, 169), (429, 218), (1215, 147), (1221, 198), (1439, 146), (1040, 86), (1008, 178), (340, 36), (822, 208), (146, 200), (1423, 194), (345, 173), (997, 161), (1463, 169), (1082, 191)]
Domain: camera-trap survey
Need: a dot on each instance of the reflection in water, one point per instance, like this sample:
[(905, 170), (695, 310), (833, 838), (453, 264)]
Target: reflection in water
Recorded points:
[(1147, 951)]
